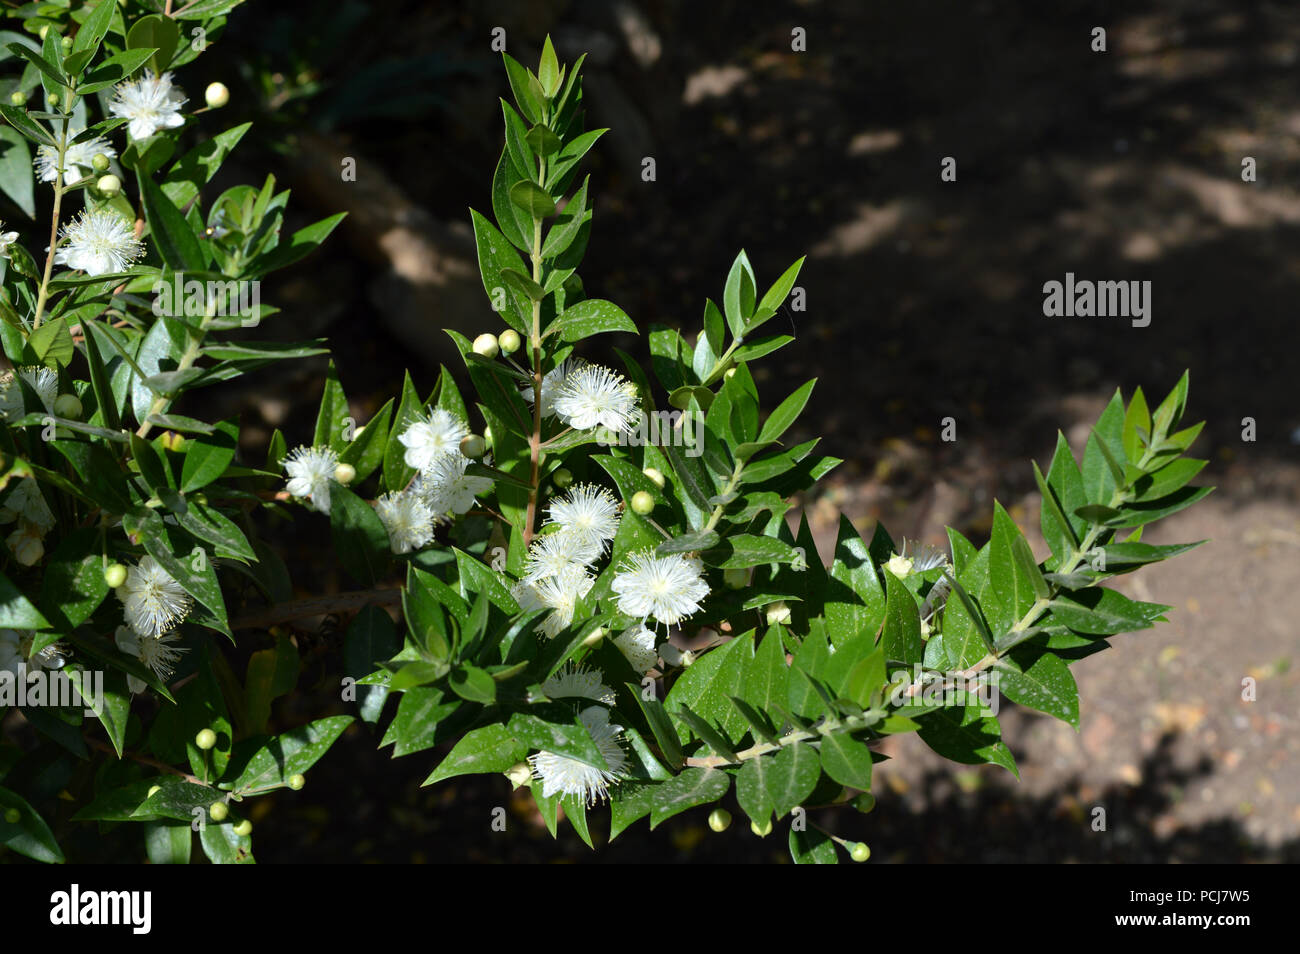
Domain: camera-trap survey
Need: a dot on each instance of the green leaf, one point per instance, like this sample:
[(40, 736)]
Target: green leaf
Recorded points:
[(156, 32), (707, 686), (846, 760), (301, 244), (751, 790), (168, 842), (811, 846), (19, 119), (742, 550), (274, 761), (1169, 478), (92, 30), (271, 673), (593, 316), (1101, 611), (779, 421), (901, 636), (333, 415), (110, 701), (533, 199), (963, 734), (473, 685), (695, 786), (738, 295), (775, 296), (52, 343), (495, 254), (16, 180), (359, 536), (29, 835), (661, 725), (1046, 686), (489, 748), (791, 776), (171, 233), (208, 456), (16, 610), (73, 585)]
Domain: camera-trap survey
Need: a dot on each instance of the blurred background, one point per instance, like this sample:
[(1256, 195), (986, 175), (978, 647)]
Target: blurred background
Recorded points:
[(924, 301)]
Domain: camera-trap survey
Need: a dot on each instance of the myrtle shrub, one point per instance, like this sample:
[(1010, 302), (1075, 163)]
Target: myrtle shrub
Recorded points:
[(585, 574)]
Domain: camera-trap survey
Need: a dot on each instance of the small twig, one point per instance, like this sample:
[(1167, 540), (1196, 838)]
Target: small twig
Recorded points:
[(143, 760), (315, 606)]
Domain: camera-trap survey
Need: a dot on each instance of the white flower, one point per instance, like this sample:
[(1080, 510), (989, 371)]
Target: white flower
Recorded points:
[(552, 553), (551, 382), (560, 774), (41, 380), (573, 681), (408, 520), (6, 239), (310, 471), (16, 650), (155, 652), (26, 543), (588, 513), (77, 158), (925, 556), (669, 588), (98, 242), (594, 395), (431, 439), (153, 601), (28, 504), (638, 645), (559, 593), (447, 489), (151, 103)]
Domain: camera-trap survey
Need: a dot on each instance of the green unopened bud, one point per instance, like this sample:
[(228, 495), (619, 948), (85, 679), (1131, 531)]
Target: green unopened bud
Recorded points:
[(206, 739), (345, 474), (519, 774), (115, 575), (52, 99), (296, 782), (109, 185), (562, 478), (865, 802), (99, 162), (656, 476), (243, 829), (735, 579), (642, 503), (13, 816), (218, 811), (509, 341), (216, 95), (18, 98), (859, 852), (473, 446), (67, 405), (66, 43), (762, 832), (486, 345), (719, 819), (778, 612)]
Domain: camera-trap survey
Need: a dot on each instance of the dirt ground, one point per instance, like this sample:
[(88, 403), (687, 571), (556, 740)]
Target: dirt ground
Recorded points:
[(924, 302)]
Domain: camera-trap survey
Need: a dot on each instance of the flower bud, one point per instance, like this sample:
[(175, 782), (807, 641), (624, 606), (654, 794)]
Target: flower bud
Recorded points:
[(761, 832), (595, 636), (52, 99), (735, 579), (218, 811), (67, 405), (27, 549), (473, 446), (865, 802), (509, 341), (520, 774), (115, 575), (216, 95), (206, 739), (13, 816), (778, 612), (243, 829), (296, 782), (44, 30), (18, 98), (345, 474), (719, 819), (859, 852), (109, 185), (66, 43), (900, 566), (562, 478), (729, 374), (486, 345), (642, 503), (99, 162), (656, 476)]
